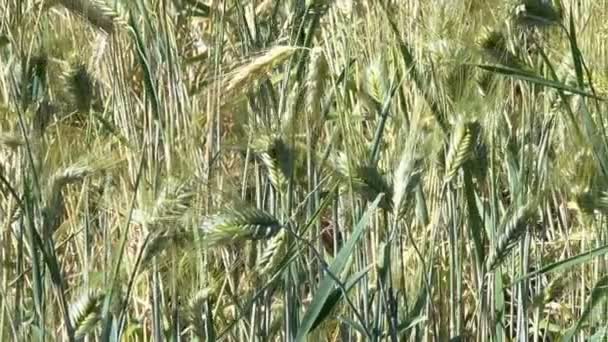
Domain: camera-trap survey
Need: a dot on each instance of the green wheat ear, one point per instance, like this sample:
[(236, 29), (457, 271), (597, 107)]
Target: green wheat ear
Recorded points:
[(367, 181), (316, 83), (81, 87), (590, 201), (238, 224), (164, 239), (85, 313), (461, 148), (273, 254), (96, 12), (537, 13), (280, 158), (494, 44), (198, 316), (514, 227)]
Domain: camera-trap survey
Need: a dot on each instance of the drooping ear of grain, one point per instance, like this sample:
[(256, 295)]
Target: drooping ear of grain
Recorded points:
[(199, 315), (11, 140), (97, 12), (405, 179), (315, 82), (538, 13), (273, 253), (170, 238), (238, 224), (85, 313), (34, 81), (81, 87), (461, 148), (495, 46), (367, 181), (258, 67), (513, 227)]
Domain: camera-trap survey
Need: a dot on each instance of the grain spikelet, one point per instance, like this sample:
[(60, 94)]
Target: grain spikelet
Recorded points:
[(315, 82), (494, 44), (239, 224), (81, 86), (257, 68), (11, 141), (590, 201), (405, 179), (53, 211), (198, 315), (170, 205), (264, 8), (461, 148), (537, 13), (367, 181), (514, 227), (85, 313), (277, 156), (376, 81), (273, 254), (97, 12), (163, 239)]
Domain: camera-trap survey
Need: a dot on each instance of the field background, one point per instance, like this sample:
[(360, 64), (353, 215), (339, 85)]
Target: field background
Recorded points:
[(317, 170)]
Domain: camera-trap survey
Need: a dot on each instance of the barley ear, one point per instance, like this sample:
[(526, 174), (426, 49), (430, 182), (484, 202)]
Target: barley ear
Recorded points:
[(53, 211), (273, 254), (316, 86), (85, 313), (199, 315), (242, 77), (461, 148), (367, 181), (162, 240), (97, 12), (514, 226), (237, 225), (11, 141), (538, 13), (81, 87), (494, 44)]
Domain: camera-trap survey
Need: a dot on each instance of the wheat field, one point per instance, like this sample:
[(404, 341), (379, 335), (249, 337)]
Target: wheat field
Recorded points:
[(303, 170)]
